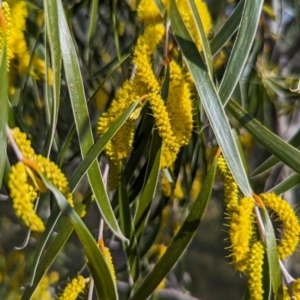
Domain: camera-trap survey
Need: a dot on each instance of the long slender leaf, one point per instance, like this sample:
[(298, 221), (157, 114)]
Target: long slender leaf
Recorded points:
[(204, 42), (241, 48), (287, 184), (104, 283), (272, 252), (99, 146), (273, 160), (229, 28), (210, 101), (52, 30), (82, 120), (128, 229), (49, 256), (4, 109), (274, 144), (150, 184), (179, 242)]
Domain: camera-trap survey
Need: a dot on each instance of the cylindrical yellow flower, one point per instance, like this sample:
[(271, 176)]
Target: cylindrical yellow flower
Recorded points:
[(55, 175), (231, 190), (121, 144), (295, 290), (291, 227), (179, 105), (23, 195), (240, 232), (74, 288), (23, 143), (254, 270), (110, 263)]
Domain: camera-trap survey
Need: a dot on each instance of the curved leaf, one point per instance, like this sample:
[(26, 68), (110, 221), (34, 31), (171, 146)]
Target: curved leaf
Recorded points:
[(274, 144), (210, 101), (241, 48), (3, 110), (287, 184), (82, 120), (272, 252), (104, 283), (229, 28), (99, 146), (273, 160), (52, 30), (179, 242)]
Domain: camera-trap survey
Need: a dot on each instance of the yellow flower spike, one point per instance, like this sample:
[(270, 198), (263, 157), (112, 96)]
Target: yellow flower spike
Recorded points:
[(121, 144), (170, 147), (17, 41), (295, 285), (187, 17), (231, 190), (23, 143), (254, 270), (109, 259), (23, 195), (240, 232), (144, 48), (291, 227), (74, 288), (55, 175), (178, 191), (179, 105)]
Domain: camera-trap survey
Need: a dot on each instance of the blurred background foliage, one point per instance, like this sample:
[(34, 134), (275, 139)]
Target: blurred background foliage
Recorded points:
[(268, 89)]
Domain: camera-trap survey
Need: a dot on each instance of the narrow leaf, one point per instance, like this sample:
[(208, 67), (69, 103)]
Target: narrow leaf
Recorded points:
[(286, 185), (179, 242), (272, 252), (4, 108), (204, 42), (241, 48), (82, 120), (150, 184), (274, 144), (273, 160), (229, 28), (104, 283), (210, 101), (99, 146), (52, 34), (127, 227)]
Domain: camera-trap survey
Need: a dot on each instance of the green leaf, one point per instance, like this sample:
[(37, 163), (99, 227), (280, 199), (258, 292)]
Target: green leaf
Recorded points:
[(180, 241), (150, 184), (210, 101), (274, 144), (127, 227), (52, 221), (99, 146), (52, 30), (104, 282), (4, 108), (273, 160), (203, 39), (272, 252), (41, 266), (286, 185), (229, 28), (82, 120), (241, 48)]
